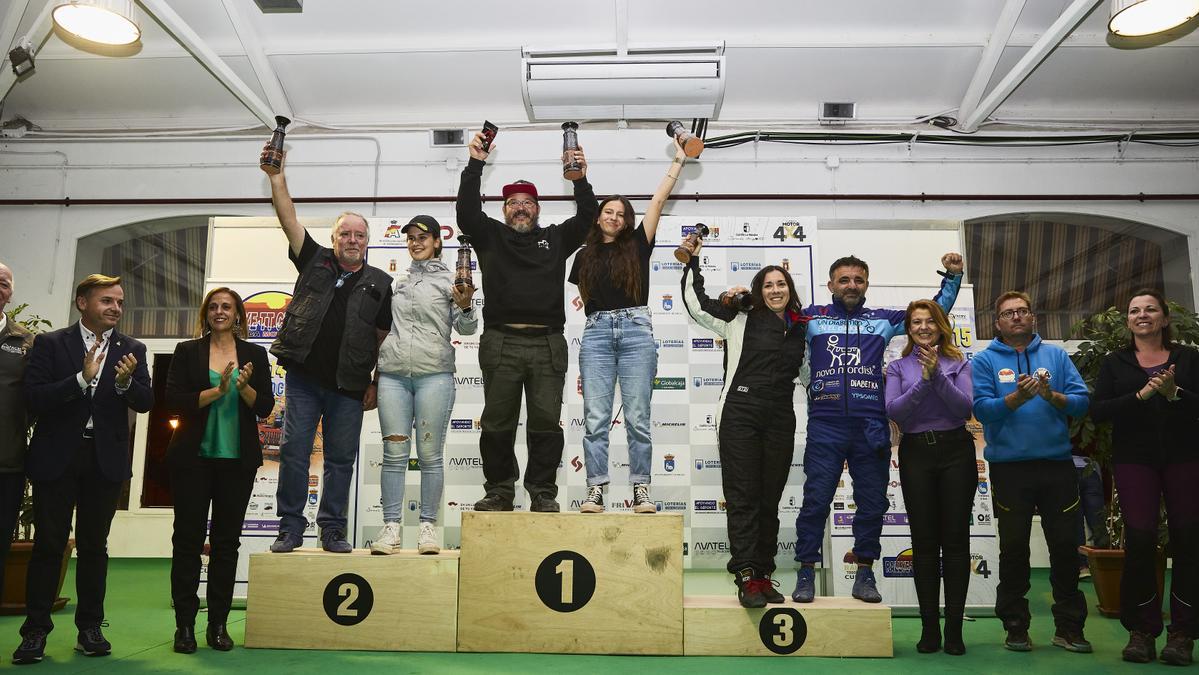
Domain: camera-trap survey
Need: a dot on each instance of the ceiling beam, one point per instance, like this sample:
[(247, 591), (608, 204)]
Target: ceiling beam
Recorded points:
[(192, 42), (1061, 27), (990, 56), (622, 27), (39, 32), (276, 96), (9, 26)]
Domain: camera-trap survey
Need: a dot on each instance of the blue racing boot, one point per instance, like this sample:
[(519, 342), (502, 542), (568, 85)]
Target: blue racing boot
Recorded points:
[(805, 584), (864, 587)]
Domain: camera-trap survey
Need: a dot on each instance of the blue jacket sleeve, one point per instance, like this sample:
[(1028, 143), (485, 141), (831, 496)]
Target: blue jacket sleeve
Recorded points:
[(1073, 387), (948, 294), (988, 403)]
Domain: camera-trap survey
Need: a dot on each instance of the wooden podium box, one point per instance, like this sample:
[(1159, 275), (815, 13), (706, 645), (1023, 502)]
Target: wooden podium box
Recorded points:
[(720, 626), (571, 583), (310, 599)]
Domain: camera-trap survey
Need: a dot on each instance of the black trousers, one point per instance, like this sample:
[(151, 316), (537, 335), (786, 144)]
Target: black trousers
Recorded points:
[(226, 485), (757, 441), (81, 484), (939, 476), (532, 364), (12, 489), (1050, 487)]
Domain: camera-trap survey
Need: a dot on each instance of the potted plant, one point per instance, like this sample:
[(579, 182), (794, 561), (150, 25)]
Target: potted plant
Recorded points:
[(17, 564), (1103, 333)]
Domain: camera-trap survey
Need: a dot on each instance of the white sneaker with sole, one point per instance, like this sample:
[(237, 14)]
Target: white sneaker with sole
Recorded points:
[(426, 539), (641, 502), (594, 503), (390, 540)]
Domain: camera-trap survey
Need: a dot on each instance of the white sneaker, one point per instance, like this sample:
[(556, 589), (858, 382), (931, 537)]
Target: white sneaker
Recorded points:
[(426, 540), (641, 502), (594, 503), (390, 540)]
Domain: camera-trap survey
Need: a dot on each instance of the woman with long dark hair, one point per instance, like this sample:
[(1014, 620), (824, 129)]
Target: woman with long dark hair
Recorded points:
[(218, 386), (1149, 391), (755, 420), (612, 273), (929, 395)]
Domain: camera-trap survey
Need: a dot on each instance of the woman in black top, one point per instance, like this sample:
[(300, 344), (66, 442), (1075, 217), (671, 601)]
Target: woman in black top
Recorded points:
[(218, 386), (755, 421), (1149, 393), (612, 273)]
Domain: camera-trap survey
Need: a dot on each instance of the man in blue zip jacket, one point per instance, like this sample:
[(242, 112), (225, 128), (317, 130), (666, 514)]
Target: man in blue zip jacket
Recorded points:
[(1024, 392), (847, 417)]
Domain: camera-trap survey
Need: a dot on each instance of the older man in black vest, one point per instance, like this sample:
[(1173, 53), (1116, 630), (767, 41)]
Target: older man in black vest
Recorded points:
[(339, 313)]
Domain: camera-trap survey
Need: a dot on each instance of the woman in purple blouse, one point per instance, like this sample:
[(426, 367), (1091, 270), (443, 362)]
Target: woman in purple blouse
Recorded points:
[(929, 397)]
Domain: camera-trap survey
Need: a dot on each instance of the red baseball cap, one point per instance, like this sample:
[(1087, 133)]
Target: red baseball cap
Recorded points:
[(520, 186)]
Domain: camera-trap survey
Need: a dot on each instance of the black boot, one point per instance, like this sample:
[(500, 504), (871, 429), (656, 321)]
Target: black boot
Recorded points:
[(953, 635), (218, 637), (185, 639), (930, 634)]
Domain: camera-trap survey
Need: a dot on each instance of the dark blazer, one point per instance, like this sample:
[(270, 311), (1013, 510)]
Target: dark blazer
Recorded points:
[(189, 376), (62, 407), (1154, 431)]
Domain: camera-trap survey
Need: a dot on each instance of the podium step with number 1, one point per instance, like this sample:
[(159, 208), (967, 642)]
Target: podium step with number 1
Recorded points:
[(571, 583)]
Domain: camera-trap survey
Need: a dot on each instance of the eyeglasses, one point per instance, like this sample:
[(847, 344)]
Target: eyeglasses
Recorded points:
[(528, 203), (1020, 312)]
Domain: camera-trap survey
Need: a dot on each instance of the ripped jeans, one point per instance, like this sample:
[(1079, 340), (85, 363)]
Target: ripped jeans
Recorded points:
[(418, 405)]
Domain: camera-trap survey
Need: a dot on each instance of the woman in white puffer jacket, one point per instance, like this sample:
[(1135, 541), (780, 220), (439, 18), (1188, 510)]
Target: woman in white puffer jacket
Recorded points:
[(416, 381)]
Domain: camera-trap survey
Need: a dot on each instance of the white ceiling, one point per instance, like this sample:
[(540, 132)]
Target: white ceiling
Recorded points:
[(383, 63)]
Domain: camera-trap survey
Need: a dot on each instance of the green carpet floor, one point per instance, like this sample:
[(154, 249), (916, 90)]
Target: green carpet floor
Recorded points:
[(142, 625)]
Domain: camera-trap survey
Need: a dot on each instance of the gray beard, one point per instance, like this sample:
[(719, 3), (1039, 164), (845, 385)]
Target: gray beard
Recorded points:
[(528, 227)]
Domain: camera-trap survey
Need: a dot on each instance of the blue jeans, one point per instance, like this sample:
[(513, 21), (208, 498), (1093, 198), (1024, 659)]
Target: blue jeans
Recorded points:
[(1090, 501), (423, 402), (618, 344), (341, 425)]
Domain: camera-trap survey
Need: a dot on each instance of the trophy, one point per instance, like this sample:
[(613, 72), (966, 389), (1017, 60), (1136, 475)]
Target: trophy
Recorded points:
[(571, 170), (462, 274), (692, 145), (271, 160), (681, 254), (741, 300)]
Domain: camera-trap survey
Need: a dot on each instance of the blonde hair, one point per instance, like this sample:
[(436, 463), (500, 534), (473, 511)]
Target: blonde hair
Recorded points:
[(948, 348), (94, 281)]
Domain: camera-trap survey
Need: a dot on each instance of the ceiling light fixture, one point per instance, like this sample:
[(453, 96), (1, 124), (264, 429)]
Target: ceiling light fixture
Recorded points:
[(1133, 18), (106, 22)]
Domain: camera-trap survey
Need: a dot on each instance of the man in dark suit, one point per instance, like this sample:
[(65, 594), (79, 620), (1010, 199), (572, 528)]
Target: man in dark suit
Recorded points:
[(81, 381)]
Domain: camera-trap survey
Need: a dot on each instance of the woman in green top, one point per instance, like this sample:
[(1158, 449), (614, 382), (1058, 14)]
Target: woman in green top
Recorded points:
[(217, 387)]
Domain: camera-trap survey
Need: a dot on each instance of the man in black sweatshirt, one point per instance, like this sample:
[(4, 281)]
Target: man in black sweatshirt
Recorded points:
[(522, 348)]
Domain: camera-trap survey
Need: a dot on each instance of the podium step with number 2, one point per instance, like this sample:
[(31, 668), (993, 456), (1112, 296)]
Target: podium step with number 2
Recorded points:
[(309, 599)]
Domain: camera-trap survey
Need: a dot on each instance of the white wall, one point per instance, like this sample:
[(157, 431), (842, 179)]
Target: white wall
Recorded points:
[(38, 242)]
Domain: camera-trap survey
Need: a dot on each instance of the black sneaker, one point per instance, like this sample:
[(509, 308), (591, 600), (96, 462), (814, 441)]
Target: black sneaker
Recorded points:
[(769, 590), (286, 543), (1072, 641), (1141, 647), (594, 501), (749, 589), (493, 502), (91, 642), (333, 540), (544, 504), (641, 501), (1178, 650), (32, 649), (1017, 640)]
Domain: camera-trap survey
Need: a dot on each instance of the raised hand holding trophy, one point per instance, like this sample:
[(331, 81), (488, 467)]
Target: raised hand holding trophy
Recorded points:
[(571, 168), (462, 273), (692, 145), (271, 159), (681, 253)]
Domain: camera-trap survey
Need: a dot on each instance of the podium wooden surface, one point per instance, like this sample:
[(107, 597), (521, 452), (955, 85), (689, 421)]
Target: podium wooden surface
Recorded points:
[(720, 626), (609, 583), (311, 599)]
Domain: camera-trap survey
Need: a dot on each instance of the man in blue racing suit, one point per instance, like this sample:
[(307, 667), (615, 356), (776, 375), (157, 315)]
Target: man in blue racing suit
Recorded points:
[(847, 418)]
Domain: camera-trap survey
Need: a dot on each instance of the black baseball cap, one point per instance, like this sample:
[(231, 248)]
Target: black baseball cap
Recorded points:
[(426, 224)]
